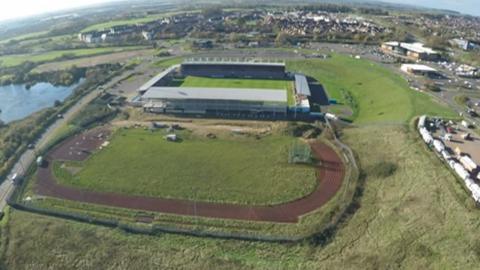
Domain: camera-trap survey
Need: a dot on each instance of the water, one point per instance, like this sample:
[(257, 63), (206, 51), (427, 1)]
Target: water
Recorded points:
[(16, 102)]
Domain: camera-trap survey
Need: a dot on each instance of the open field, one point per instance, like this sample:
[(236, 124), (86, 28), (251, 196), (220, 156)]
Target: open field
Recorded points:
[(228, 169), (93, 61), (418, 217), (14, 60), (379, 95), (146, 19)]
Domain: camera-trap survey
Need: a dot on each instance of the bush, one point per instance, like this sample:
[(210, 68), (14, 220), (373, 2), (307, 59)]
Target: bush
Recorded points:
[(383, 169)]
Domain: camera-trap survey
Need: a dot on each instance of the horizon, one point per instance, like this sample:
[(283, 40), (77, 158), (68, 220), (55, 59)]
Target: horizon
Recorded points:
[(21, 9)]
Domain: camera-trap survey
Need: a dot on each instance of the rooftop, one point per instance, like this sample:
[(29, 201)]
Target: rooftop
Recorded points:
[(418, 67), (301, 85), (231, 61), (415, 47), (268, 95)]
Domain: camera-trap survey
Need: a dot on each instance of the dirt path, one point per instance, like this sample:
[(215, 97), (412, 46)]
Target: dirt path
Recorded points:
[(330, 175)]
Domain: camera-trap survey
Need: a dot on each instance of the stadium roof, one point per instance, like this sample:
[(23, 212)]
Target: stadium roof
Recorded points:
[(301, 85), (268, 95), (217, 61), (155, 79)]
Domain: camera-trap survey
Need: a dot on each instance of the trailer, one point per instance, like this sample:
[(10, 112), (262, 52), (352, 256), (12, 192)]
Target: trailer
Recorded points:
[(468, 163), (460, 170), (446, 155), (421, 121), (439, 146)]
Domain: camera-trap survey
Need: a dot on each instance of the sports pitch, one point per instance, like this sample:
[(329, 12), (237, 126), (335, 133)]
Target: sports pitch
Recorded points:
[(230, 169), (194, 81)]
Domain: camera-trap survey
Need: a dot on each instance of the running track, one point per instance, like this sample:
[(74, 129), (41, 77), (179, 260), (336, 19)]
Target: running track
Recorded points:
[(330, 174)]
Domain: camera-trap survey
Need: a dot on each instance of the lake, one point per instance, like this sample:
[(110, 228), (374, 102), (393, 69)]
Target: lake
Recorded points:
[(18, 102)]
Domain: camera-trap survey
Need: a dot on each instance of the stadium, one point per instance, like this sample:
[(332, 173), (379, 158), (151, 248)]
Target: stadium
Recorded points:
[(225, 87)]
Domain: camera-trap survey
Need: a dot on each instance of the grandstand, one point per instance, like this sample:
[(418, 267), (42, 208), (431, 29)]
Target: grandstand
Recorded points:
[(225, 87)]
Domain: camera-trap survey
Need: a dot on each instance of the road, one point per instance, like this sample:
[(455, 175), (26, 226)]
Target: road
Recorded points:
[(29, 156)]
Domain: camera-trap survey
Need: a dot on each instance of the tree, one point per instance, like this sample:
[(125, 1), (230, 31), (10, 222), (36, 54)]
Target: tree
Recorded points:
[(281, 39)]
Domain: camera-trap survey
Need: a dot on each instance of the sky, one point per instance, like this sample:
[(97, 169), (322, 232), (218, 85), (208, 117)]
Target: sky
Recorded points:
[(12, 9)]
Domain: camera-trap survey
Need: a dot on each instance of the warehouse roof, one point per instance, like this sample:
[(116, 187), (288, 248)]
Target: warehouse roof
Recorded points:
[(269, 95), (301, 85)]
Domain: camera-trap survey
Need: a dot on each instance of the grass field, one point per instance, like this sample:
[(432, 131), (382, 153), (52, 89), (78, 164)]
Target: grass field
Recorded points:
[(193, 81), (146, 19), (375, 90), (236, 170), (418, 218), (14, 60)]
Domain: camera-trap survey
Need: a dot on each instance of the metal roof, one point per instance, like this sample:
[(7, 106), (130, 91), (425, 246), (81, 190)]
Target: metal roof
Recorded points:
[(416, 67), (229, 62), (155, 79), (301, 85), (268, 95)]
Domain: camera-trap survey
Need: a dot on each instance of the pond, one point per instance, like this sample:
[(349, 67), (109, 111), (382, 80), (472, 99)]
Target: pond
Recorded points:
[(18, 102)]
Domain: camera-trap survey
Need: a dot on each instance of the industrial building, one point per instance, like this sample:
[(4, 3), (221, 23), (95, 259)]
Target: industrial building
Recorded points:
[(420, 70), (158, 96), (412, 51)]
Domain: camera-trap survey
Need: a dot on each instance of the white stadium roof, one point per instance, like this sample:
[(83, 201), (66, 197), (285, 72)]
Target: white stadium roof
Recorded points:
[(268, 95)]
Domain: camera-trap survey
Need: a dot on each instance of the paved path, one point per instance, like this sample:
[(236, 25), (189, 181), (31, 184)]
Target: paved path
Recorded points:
[(29, 156)]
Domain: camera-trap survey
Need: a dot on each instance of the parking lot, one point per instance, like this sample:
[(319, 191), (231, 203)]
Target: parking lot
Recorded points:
[(470, 147)]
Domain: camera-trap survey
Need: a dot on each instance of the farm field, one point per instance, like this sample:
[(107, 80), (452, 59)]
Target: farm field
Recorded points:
[(146, 19), (93, 61), (416, 226), (244, 170), (14, 60), (377, 94)]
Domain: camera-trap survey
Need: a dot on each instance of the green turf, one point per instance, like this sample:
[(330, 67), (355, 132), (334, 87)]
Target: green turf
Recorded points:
[(14, 60), (380, 94), (235, 170), (192, 81)]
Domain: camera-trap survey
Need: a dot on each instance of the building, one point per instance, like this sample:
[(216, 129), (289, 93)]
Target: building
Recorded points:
[(412, 51), (302, 93), (464, 44), (158, 97), (420, 70), (232, 68), (197, 100)]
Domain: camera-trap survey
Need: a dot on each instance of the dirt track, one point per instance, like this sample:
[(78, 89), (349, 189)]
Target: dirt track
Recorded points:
[(330, 175)]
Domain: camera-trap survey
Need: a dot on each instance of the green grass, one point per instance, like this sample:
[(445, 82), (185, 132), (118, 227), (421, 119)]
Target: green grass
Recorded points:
[(417, 218), (14, 60), (146, 19), (192, 81), (379, 94), (236, 170), (33, 35)]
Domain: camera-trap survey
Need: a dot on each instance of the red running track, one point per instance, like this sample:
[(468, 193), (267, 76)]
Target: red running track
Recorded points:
[(330, 174)]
